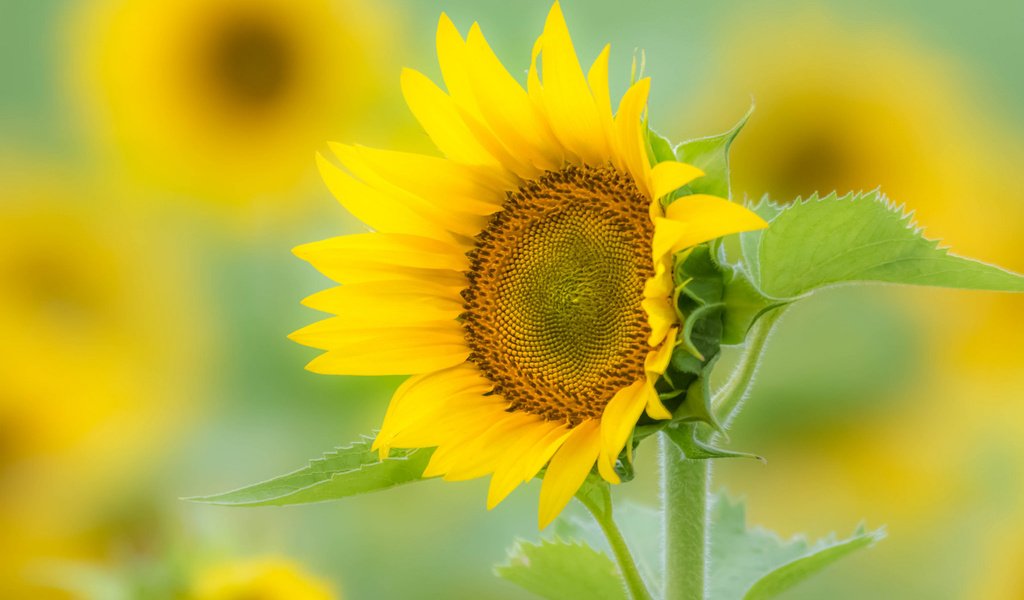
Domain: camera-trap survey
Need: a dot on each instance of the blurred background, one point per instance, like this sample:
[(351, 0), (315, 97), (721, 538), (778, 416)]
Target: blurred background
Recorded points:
[(156, 168)]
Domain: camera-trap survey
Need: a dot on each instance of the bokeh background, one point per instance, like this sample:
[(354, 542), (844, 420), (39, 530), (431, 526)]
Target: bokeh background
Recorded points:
[(156, 169)]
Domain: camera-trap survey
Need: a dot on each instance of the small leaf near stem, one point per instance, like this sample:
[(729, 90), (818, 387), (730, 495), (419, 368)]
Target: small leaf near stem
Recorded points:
[(596, 496), (557, 569)]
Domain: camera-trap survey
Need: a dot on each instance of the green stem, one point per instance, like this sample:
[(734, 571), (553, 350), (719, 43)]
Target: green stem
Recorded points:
[(684, 485), (603, 515), (728, 399)]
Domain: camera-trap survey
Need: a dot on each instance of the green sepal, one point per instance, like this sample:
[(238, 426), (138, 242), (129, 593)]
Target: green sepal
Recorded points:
[(697, 407), (702, 330), (348, 471), (711, 155), (557, 569), (596, 494), (698, 302), (693, 440), (659, 149)]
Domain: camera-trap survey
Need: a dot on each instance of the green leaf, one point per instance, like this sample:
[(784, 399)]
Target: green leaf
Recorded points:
[(750, 241), (857, 238), (348, 471), (558, 569), (711, 155), (757, 564)]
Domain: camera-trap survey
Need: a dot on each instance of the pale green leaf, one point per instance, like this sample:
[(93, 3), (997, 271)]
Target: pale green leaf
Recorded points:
[(757, 564), (859, 238), (557, 569), (750, 241), (348, 471)]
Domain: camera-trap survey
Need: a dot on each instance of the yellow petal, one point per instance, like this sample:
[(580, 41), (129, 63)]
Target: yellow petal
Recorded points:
[(617, 421), (474, 447), (374, 207), (508, 473), (488, 453), (656, 409), (541, 454), (631, 147), (351, 258), (437, 429), (597, 79), (667, 234), (669, 176), (335, 332), (657, 361), (397, 351), (657, 302), (382, 303), (510, 159), (533, 86), (461, 223), (451, 55), (568, 469), (443, 184), (570, 106), (708, 217), (661, 316), (506, 107), (441, 119), (466, 427), (661, 285), (422, 396)]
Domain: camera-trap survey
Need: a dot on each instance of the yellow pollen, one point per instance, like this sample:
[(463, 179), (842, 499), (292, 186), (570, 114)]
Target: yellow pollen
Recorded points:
[(553, 311)]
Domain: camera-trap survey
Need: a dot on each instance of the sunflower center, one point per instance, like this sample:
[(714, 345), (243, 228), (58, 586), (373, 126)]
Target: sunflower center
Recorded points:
[(250, 60), (553, 308)]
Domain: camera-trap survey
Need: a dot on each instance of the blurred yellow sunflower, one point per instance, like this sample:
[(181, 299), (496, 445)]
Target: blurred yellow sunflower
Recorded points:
[(525, 280), (844, 108), (94, 360), (227, 98), (262, 578), (848, 107)]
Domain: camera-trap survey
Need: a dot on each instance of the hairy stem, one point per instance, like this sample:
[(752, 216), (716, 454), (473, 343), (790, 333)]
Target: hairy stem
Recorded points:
[(684, 485), (728, 400)]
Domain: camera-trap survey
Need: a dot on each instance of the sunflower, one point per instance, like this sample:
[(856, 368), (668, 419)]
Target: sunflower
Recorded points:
[(264, 578), (94, 359), (524, 280), (225, 99)]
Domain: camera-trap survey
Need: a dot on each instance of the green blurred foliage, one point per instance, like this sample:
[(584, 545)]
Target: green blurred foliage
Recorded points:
[(845, 365)]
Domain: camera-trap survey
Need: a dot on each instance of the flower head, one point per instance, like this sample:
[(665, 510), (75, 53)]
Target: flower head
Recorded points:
[(524, 280), (225, 99)]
